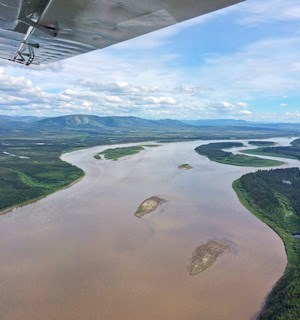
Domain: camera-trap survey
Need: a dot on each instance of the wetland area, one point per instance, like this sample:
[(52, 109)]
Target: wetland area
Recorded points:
[(81, 253)]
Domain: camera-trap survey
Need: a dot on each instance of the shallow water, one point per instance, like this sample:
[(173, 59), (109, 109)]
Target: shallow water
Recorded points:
[(82, 254)]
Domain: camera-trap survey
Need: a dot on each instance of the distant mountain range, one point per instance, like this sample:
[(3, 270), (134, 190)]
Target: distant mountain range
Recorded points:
[(241, 123), (96, 124), (27, 119), (216, 122), (90, 121)]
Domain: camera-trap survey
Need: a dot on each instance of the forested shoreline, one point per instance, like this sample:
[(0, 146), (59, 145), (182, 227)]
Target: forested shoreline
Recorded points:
[(291, 152), (214, 151), (274, 197)]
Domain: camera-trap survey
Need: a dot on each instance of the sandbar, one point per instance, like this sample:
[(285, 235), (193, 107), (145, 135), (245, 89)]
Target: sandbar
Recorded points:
[(149, 205), (205, 255)]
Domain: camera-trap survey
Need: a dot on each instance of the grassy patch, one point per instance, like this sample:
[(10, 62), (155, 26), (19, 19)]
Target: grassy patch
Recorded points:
[(215, 153), (276, 203), (185, 166), (116, 153)]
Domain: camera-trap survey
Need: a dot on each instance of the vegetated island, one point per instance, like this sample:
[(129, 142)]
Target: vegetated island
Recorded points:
[(213, 152), (205, 255), (116, 153), (97, 156), (185, 166), (290, 152), (152, 145), (274, 197), (148, 205), (261, 143)]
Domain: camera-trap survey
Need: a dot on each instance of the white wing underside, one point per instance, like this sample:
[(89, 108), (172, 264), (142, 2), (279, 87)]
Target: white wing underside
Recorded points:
[(44, 31)]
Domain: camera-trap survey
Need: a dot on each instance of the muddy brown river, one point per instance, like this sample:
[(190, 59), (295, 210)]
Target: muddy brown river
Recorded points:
[(82, 254)]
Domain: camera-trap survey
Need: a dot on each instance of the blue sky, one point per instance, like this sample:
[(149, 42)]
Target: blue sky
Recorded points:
[(241, 62)]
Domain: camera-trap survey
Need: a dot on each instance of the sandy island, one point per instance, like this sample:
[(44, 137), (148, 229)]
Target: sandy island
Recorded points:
[(148, 206), (205, 255)]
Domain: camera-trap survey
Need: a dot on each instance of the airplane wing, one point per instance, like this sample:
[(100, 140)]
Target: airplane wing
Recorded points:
[(44, 31)]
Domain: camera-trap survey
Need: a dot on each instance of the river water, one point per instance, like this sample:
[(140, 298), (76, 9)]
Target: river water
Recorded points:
[(82, 254)]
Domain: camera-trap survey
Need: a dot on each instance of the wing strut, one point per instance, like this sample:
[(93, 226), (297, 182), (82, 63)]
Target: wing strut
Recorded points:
[(51, 31), (25, 53)]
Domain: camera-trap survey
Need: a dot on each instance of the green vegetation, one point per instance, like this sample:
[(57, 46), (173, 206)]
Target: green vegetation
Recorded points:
[(185, 166), (116, 153), (30, 147), (260, 143), (290, 152), (274, 197), (213, 152), (262, 152), (151, 145), (31, 170)]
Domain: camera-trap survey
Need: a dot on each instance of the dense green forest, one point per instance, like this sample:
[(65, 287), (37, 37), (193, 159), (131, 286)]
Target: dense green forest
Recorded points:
[(31, 168), (292, 151), (274, 197), (260, 143), (215, 153)]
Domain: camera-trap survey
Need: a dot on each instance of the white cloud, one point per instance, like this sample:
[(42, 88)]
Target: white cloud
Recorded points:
[(245, 112), (227, 105), (192, 90), (261, 12), (114, 99), (87, 104), (264, 68), (283, 104), (292, 115), (69, 92), (242, 104), (20, 91), (160, 100), (118, 87)]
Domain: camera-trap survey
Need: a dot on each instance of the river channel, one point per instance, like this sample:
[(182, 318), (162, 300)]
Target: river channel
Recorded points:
[(81, 253)]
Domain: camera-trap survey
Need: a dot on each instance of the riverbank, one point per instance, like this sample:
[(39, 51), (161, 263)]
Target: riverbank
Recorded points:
[(214, 152), (282, 301), (290, 152), (25, 203)]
